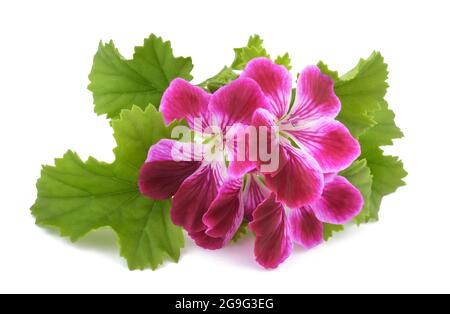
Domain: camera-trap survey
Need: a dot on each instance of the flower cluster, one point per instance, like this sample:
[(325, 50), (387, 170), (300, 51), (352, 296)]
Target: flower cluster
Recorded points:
[(216, 186)]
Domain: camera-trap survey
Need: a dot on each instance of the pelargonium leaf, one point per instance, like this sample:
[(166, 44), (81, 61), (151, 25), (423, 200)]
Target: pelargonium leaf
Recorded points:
[(118, 83), (78, 197), (388, 174), (254, 49), (361, 92), (284, 60), (225, 76), (384, 131), (242, 231), (329, 230)]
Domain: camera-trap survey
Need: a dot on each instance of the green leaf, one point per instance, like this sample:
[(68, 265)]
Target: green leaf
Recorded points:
[(78, 197), (358, 174), (225, 76), (254, 49), (135, 132), (388, 174), (367, 115), (329, 230), (284, 60), (242, 231), (327, 71), (361, 92), (146, 233), (385, 130), (117, 83)]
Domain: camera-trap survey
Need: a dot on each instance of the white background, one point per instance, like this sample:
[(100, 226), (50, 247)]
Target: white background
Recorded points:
[(46, 51)]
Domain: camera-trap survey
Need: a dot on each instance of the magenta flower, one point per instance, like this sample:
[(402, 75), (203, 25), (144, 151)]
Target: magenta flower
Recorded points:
[(312, 145), (322, 144), (205, 189), (211, 198), (276, 231)]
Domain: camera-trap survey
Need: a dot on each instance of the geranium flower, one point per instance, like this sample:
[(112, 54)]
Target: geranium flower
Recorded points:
[(311, 141), (211, 198), (312, 145), (277, 227), (196, 183)]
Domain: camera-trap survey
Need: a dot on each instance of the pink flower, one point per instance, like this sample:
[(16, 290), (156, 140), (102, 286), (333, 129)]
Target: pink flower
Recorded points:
[(322, 144), (276, 230), (312, 145), (205, 189), (211, 198)]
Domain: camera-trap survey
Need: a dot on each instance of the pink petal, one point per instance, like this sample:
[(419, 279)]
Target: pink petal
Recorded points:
[(268, 142), (307, 230), (274, 80), (340, 202), (237, 169), (182, 100), (195, 196), (207, 242), (300, 182), (236, 102), (238, 149), (226, 213), (329, 142), (273, 240), (167, 149), (263, 117), (161, 176), (315, 97), (255, 192)]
